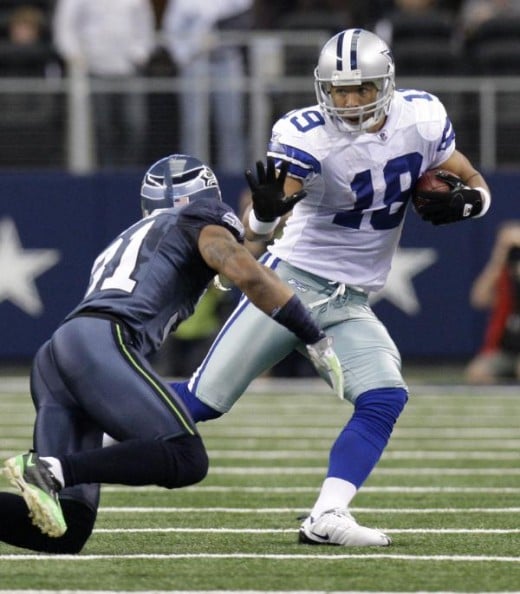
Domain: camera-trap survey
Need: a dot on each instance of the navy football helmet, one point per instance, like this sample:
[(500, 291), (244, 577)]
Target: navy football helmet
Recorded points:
[(175, 181)]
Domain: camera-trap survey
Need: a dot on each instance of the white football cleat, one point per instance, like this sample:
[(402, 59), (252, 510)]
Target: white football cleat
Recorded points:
[(338, 527)]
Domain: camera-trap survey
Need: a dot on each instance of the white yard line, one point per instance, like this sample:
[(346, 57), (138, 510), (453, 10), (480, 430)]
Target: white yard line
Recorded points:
[(12, 446), (305, 470), (301, 510), (303, 386), (291, 429), (292, 490), (296, 489), (320, 470), (268, 556), (294, 530)]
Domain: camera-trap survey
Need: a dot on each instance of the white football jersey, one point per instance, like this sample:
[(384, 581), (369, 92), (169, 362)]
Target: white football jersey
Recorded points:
[(348, 226)]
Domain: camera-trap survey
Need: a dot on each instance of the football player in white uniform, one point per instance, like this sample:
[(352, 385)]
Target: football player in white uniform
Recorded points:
[(357, 155)]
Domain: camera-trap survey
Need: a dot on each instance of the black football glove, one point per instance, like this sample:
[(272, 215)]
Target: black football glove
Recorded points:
[(269, 199), (461, 202)]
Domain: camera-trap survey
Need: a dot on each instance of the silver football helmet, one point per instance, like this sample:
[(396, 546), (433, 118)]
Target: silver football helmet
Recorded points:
[(175, 181), (351, 58)]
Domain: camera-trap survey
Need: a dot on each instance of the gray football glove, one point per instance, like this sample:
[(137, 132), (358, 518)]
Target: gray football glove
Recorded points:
[(327, 363)]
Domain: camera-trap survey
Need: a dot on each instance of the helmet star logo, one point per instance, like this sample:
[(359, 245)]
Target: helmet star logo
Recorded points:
[(19, 268)]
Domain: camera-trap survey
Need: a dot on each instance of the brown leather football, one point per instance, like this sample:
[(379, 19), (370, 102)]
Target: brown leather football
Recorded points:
[(429, 182)]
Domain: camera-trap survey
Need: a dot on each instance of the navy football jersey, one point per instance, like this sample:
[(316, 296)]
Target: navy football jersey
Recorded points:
[(152, 275)]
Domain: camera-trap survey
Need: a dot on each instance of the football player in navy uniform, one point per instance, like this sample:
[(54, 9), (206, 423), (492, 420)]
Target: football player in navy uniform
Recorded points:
[(92, 377), (357, 154)]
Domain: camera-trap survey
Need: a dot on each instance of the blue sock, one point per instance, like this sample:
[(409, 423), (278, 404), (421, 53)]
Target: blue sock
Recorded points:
[(198, 410), (359, 446)]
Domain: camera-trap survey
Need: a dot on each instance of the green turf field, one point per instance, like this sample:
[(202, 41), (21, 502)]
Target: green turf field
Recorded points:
[(447, 490)]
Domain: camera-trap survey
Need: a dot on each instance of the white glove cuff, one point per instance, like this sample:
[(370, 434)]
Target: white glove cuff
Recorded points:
[(261, 227), (486, 202)]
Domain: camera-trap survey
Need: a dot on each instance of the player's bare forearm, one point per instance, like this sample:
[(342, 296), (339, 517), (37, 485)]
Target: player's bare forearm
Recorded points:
[(459, 164), (227, 257)]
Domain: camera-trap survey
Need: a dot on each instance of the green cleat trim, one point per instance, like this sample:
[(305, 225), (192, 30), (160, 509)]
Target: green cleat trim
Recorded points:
[(44, 508)]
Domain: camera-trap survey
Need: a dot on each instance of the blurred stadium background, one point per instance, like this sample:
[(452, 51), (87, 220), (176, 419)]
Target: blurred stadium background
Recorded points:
[(59, 205)]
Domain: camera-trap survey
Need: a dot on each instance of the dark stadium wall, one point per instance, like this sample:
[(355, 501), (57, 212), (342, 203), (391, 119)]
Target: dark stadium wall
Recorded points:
[(52, 226)]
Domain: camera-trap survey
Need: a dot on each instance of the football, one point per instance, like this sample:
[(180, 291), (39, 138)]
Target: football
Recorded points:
[(429, 182)]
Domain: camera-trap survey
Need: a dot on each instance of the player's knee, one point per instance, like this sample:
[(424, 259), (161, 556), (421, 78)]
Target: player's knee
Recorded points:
[(187, 461), (389, 401), (376, 412), (199, 410)]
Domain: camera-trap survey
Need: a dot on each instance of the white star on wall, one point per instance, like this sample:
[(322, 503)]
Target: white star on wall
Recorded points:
[(399, 289), (19, 268)]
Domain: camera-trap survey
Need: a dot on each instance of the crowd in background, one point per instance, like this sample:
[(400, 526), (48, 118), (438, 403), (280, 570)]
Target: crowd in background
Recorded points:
[(120, 40), (32, 23)]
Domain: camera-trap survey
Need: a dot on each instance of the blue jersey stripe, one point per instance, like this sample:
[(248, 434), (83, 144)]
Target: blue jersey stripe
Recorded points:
[(300, 162), (448, 136)]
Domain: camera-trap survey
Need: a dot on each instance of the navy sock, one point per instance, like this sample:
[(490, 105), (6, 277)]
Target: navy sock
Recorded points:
[(168, 463), (198, 410), (359, 446)]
